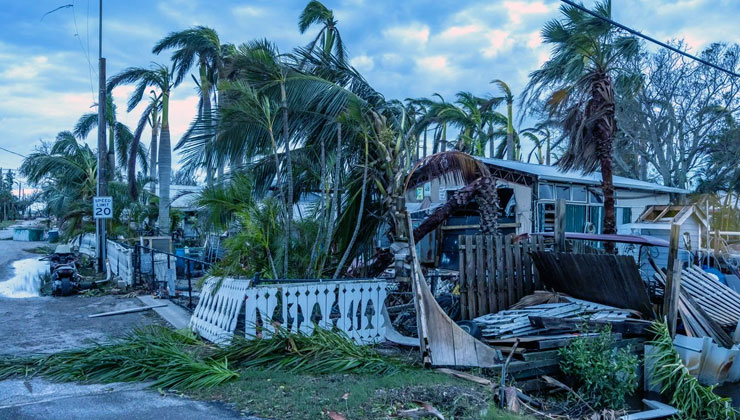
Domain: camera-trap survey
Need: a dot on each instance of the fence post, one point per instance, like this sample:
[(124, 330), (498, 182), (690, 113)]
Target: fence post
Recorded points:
[(190, 287), (559, 231), (154, 277), (673, 280)]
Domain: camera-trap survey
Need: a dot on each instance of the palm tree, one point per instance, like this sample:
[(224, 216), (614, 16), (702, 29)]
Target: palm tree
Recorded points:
[(119, 136), (201, 44), (66, 172), (511, 153), (577, 82), (331, 42), (160, 78)]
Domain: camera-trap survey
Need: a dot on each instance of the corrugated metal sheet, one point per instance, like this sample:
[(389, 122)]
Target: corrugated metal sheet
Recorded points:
[(553, 173)]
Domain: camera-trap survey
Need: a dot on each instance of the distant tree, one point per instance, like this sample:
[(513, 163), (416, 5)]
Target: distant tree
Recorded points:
[(673, 120)]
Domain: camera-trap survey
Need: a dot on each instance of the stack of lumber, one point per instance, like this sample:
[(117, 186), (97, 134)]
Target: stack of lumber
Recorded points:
[(516, 322), (706, 305)]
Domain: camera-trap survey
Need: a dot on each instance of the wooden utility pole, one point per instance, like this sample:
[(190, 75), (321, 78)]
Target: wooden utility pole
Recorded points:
[(559, 228), (102, 189), (673, 281)]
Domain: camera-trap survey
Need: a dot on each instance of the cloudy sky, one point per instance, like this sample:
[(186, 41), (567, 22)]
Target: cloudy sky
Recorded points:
[(406, 48)]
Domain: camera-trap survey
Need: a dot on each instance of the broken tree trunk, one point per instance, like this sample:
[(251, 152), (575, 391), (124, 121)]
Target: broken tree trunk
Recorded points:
[(485, 187)]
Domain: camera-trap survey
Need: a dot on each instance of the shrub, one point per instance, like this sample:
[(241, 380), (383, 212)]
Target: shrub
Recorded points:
[(603, 375)]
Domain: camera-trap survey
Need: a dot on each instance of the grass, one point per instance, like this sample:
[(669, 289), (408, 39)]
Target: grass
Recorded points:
[(291, 396), (289, 376)]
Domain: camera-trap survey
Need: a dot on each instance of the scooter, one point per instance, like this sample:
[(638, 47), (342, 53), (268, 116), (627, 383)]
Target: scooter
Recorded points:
[(63, 267)]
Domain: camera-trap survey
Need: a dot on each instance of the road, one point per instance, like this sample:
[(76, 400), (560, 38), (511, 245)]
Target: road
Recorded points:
[(46, 324)]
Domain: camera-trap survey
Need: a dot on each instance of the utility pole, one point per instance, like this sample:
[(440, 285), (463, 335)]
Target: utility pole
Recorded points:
[(102, 189)]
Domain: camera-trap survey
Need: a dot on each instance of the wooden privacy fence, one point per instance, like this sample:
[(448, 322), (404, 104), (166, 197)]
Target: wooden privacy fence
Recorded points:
[(495, 273)]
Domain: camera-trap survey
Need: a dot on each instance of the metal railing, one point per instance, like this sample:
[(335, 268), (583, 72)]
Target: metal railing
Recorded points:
[(160, 270)]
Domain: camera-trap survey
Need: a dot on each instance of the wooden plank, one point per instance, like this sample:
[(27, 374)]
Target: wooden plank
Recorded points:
[(439, 336), (500, 274), (491, 275), (464, 314), (527, 267), (519, 275), (572, 324), (560, 225), (480, 274), (470, 275), (509, 270), (673, 281)]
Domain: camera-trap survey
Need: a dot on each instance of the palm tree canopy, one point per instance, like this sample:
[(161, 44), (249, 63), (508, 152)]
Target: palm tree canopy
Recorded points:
[(316, 13), (157, 76), (197, 43), (586, 51)]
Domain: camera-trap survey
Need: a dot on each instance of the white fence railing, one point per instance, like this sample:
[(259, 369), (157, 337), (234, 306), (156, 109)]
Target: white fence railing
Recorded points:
[(354, 307), (121, 262)]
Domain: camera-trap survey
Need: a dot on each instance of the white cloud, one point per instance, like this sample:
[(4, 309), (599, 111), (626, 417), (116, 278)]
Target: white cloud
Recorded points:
[(415, 33), (518, 9), (363, 63), (455, 32), (498, 41)]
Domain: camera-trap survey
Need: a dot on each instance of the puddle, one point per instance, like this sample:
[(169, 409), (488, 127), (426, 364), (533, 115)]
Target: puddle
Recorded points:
[(25, 282)]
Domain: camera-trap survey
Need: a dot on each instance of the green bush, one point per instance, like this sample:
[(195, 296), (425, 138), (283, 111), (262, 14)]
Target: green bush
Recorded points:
[(603, 375)]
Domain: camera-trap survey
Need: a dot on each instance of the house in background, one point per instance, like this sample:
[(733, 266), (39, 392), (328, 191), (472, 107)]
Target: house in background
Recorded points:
[(527, 195)]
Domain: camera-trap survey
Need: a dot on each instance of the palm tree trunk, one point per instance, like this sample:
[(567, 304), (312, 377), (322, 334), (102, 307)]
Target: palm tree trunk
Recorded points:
[(205, 112), (153, 150), (330, 220), (322, 206), (289, 167), (111, 156), (547, 150), (510, 155), (351, 244), (602, 103), (165, 167), (425, 142), (285, 204)]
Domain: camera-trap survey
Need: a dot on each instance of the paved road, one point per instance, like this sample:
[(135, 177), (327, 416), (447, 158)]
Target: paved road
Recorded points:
[(46, 324)]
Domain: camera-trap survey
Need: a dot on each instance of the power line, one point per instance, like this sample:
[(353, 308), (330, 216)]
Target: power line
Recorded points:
[(10, 151), (649, 38)]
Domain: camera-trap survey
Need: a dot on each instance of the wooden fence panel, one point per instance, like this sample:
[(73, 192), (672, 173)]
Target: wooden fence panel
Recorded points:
[(495, 272)]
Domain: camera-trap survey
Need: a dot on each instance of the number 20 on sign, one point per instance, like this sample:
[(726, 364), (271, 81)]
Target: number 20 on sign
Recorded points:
[(103, 207)]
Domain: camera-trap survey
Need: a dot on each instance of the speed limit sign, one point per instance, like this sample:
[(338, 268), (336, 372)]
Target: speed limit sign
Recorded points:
[(103, 207)]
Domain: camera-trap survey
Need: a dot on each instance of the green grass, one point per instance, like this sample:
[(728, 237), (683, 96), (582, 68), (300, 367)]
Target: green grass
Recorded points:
[(290, 376), (290, 396)]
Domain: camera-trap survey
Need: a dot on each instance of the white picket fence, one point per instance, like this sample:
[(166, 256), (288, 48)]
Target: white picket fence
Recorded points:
[(120, 260), (217, 312), (354, 307), (87, 245)]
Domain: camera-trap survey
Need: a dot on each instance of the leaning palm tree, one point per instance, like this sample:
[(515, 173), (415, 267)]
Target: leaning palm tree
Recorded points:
[(199, 44), (508, 97), (119, 136), (577, 83), (328, 36), (160, 78)]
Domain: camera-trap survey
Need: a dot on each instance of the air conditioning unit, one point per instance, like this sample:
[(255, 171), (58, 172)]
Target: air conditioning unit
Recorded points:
[(159, 243)]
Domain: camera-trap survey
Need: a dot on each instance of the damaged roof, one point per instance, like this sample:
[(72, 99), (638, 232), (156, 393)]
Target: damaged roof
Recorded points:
[(555, 174)]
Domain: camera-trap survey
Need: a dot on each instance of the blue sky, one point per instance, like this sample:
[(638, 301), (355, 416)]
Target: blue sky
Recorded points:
[(405, 48)]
